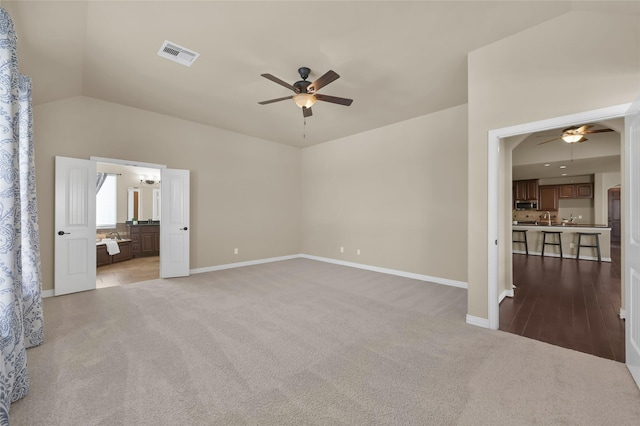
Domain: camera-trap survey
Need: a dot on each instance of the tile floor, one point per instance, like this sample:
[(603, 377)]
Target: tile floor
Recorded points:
[(128, 272)]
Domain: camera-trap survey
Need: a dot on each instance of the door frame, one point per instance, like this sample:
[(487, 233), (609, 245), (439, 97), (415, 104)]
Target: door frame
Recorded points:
[(493, 164)]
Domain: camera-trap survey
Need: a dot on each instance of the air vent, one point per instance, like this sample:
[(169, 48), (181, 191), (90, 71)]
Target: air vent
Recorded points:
[(177, 53)]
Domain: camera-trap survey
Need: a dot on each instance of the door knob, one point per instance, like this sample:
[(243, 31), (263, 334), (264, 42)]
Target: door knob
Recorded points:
[(63, 233), (183, 229)]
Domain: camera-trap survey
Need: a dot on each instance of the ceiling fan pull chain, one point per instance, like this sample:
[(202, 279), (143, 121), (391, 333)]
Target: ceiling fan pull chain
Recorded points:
[(304, 128)]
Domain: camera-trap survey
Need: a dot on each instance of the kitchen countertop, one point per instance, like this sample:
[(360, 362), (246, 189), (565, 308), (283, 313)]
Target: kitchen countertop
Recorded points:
[(100, 243), (562, 225)]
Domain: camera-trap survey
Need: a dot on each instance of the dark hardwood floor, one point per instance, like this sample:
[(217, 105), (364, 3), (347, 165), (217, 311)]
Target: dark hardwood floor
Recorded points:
[(570, 303)]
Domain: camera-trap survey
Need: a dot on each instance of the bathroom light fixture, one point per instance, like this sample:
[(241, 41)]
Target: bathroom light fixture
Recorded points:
[(149, 180)]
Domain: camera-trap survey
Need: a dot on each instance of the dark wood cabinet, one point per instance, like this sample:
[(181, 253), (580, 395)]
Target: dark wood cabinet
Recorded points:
[(145, 240), (566, 191), (525, 190), (548, 197), (104, 258), (576, 190), (584, 190)]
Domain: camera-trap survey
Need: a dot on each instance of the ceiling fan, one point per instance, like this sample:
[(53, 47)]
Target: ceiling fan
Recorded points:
[(576, 134), (306, 92)]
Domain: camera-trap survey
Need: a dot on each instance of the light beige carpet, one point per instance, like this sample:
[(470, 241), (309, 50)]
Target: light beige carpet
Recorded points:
[(301, 342)]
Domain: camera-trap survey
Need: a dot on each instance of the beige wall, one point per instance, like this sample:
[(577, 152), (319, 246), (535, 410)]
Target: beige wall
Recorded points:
[(602, 183), (397, 193), (245, 192), (527, 77)]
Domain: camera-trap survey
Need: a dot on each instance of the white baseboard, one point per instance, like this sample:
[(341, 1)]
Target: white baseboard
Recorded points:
[(241, 264), (477, 321), (47, 293), (506, 293), (437, 280), (570, 256), (623, 314)]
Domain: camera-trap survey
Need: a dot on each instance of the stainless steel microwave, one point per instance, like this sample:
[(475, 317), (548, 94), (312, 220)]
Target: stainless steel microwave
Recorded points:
[(526, 205)]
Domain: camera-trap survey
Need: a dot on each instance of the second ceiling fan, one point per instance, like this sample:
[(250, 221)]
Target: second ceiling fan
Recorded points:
[(306, 92), (576, 134)]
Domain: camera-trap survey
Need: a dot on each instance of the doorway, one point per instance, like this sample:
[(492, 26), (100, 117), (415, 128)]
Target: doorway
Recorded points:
[(613, 214), (134, 255)]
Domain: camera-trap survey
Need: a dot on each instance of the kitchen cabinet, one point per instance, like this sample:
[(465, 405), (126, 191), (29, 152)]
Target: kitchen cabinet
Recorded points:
[(525, 190), (548, 197), (145, 240), (566, 191), (575, 190), (104, 258), (584, 190)]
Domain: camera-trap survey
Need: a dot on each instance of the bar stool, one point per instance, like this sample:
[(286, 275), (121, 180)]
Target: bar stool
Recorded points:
[(523, 240), (551, 243), (596, 245)]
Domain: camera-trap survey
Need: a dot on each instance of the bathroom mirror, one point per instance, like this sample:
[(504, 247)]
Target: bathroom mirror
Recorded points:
[(133, 203)]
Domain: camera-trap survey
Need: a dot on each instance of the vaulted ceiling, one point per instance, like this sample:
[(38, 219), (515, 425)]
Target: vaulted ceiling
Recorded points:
[(397, 60)]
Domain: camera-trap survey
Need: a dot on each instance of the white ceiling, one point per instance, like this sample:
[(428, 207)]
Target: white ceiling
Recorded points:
[(397, 60)]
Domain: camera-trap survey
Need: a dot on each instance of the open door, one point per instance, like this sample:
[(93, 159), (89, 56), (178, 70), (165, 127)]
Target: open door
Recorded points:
[(174, 225), (631, 188), (75, 225)]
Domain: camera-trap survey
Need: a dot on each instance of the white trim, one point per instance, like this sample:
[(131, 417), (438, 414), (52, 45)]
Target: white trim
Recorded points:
[(493, 162), (437, 280), (241, 264), (623, 314), (420, 277), (47, 293), (477, 321), (127, 162), (505, 293)]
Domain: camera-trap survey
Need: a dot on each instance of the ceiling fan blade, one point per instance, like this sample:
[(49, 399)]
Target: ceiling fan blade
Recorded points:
[(277, 80), (550, 140), (586, 132), (327, 78), (270, 101), (334, 99), (582, 139), (306, 112)]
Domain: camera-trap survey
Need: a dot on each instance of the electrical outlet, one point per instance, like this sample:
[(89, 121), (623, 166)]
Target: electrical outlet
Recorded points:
[(358, 252), (235, 251), (579, 216), (572, 245), (341, 249)]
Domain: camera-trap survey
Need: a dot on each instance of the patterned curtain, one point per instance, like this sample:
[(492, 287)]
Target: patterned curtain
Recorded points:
[(21, 322)]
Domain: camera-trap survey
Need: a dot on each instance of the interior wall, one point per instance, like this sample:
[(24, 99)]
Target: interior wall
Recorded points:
[(245, 192), (525, 78), (397, 193)]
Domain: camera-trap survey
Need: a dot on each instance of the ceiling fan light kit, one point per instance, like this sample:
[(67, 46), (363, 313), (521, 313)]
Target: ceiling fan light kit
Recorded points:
[(305, 92), (571, 138), (304, 100), (576, 134)]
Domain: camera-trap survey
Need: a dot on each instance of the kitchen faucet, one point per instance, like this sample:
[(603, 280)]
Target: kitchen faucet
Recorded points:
[(547, 215)]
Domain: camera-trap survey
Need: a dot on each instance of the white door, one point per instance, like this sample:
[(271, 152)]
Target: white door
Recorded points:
[(174, 226), (75, 225), (631, 190)]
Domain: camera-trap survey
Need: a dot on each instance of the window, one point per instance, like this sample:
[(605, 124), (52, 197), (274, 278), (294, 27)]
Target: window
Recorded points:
[(106, 203)]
